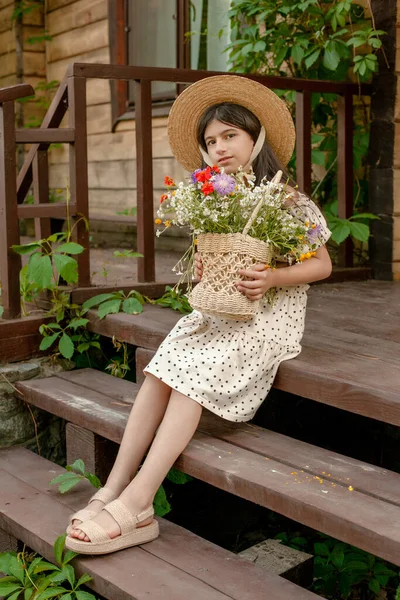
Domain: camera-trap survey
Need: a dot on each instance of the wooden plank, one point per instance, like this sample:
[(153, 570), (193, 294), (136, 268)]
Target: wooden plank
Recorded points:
[(41, 191), (144, 170), (303, 141), (10, 262), (49, 209), (97, 453), (142, 358), (84, 13), (193, 555), (52, 136), (328, 465), (37, 520), (20, 90), (78, 173), (190, 76), (352, 516), (72, 43)]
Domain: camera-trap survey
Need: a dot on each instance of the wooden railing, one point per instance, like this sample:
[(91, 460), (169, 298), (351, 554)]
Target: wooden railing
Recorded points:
[(71, 96)]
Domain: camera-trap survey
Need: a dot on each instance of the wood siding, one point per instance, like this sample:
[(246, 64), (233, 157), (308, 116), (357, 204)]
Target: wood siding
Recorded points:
[(80, 34), (396, 173)]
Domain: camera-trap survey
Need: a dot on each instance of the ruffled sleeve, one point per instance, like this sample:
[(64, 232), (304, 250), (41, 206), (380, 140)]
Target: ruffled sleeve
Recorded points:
[(307, 211)]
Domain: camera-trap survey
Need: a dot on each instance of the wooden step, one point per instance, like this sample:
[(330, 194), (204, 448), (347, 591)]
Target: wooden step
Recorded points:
[(348, 499), (178, 565), (351, 350)]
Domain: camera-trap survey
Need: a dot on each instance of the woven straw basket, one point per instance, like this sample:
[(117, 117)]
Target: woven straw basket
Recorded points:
[(223, 255)]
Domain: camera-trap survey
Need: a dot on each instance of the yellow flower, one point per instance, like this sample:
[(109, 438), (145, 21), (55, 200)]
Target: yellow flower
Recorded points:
[(300, 237), (307, 223), (158, 221), (350, 488), (313, 226), (195, 241), (168, 223)]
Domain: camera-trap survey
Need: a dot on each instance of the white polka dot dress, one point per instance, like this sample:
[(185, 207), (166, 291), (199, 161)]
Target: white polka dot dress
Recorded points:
[(229, 366)]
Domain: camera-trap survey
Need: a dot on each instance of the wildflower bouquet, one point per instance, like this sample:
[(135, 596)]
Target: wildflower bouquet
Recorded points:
[(234, 224)]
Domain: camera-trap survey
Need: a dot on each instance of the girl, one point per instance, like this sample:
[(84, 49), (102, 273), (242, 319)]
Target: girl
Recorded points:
[(206, 361)]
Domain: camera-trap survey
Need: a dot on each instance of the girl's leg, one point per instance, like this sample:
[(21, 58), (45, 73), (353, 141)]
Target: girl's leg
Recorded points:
[(175, 432), (146, 415)]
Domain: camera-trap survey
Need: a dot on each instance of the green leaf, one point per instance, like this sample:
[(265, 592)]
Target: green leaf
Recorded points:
[(69, 572), (311, 58), (318, 157), (70, 248), (280, 56), (8, 587), (109, 307), (66, 346), (364, 216), (16, 569), (26, 248), (331, 56), (297, 54), (374, 586), (48, 341), (66, 597), (1, 311), (78, 466), (28, 593), (161, 504), (68, 556), (67, 267), (94, 480), (66, 481), (75, 323), (97, 300), (359, 231), (40, 270), (80, 595), (259, 46), (83, 579), (59, 548), (51, 593), (131, 306), (340, 231), (178, 477), (15, 596), (45, 566), (321, 549), (5, 558)]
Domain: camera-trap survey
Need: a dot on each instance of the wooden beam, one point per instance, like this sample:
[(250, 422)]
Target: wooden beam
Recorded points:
[(78, 172), (48, 136), (144, 166), (41, 192), (56, 210), (20, 90), (10, 262), (303, 141), (345, 170)]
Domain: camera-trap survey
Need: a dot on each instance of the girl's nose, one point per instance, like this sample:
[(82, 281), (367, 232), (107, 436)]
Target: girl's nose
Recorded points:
[(220, 146)]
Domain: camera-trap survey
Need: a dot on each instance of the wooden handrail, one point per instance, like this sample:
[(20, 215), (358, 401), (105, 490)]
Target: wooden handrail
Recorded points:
[(71, 95), (14, 92)]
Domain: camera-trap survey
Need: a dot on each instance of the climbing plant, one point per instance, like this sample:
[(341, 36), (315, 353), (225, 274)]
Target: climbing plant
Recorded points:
[(315, 39)]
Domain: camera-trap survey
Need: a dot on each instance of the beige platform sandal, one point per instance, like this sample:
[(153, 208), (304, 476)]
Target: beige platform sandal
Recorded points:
[(131, 535), (104, 495)]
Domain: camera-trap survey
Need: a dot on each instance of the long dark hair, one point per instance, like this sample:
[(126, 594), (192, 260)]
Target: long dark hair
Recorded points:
[(266, 163)]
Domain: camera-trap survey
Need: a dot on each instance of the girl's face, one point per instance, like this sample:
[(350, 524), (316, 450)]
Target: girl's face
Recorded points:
[(228, 146)]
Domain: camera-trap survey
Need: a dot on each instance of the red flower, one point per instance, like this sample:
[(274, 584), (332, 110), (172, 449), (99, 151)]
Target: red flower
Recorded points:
[(204, 175), (207, 189), (216, 169), (169, 182), (163, 197)]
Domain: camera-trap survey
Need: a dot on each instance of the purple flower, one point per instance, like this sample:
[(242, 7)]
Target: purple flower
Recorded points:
[(223, 184), (313, 234), (193, 176)]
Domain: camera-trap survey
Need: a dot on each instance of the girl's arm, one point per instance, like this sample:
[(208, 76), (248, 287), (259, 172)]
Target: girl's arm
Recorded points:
[(261, 279)]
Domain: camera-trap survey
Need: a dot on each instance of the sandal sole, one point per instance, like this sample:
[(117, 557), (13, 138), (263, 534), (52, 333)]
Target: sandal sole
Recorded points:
[(140, 535)]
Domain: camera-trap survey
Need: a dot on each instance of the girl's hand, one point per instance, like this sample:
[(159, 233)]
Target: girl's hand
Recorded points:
[(259, 280), (198, 266)]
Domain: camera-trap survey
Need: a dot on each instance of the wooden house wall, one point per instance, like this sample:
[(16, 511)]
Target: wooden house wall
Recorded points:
[(79, 31), (33, 58)]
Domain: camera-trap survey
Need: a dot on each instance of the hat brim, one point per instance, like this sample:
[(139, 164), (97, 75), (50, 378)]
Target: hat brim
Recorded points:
[(191, 104)]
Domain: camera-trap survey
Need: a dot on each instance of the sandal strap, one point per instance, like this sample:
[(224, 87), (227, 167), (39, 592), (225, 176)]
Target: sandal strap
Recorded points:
[(95, 532), (104, 495), (82, 515), (125, 520)]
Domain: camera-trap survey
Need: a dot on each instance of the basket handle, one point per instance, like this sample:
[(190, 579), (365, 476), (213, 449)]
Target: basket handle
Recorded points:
[(275, 179)]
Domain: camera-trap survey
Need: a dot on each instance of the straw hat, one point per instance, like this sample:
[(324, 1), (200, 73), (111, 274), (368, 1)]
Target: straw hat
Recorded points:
[(189, 107)]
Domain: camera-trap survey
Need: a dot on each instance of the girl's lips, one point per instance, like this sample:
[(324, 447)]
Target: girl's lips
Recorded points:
[(224, 160)]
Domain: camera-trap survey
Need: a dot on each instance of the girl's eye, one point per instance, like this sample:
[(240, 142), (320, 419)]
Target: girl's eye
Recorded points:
[(210, 142), (230, 135)]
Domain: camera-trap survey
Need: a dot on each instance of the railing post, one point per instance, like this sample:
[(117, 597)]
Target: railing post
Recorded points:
[(144, 166), (78, 171), (303, 141), (10, 262), (345, 167), (41, 191)]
